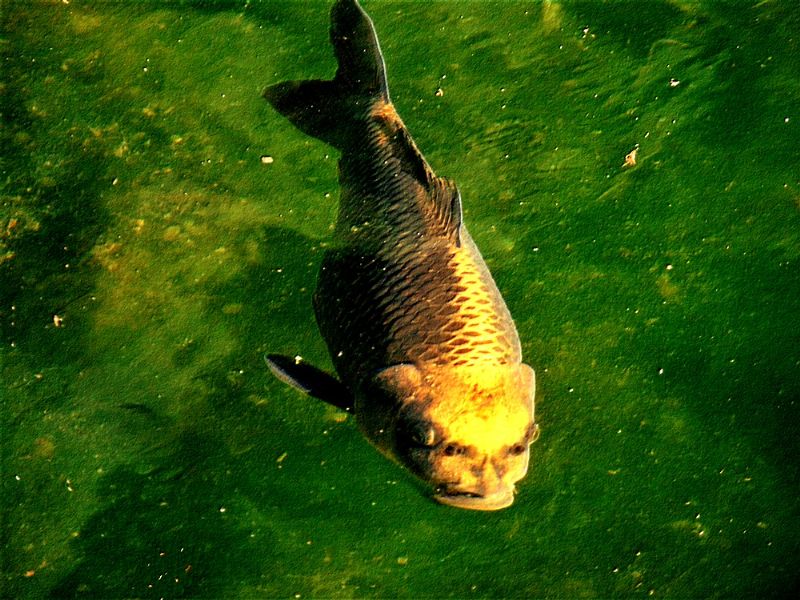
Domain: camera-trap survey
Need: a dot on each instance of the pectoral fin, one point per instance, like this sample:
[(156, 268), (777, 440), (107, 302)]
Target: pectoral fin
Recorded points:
[(310, 380)]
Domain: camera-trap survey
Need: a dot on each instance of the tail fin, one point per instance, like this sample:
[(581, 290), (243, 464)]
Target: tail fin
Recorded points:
[(325, 109), (361, 69)]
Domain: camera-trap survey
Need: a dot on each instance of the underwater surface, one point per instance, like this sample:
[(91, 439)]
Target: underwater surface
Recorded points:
[(631, 173)]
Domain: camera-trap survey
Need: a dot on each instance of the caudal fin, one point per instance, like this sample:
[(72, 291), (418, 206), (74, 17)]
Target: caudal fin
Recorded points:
[(327, 109)]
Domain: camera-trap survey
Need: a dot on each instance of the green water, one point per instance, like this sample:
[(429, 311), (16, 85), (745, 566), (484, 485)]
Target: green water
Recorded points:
[(149, 258)]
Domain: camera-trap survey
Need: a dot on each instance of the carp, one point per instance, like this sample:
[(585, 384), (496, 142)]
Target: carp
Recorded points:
[(427, 355)]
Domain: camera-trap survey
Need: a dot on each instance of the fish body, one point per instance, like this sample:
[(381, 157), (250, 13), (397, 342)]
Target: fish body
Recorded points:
[(426, 351)]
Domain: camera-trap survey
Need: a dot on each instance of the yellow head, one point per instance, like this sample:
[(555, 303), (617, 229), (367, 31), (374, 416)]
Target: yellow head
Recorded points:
[(465, 430)]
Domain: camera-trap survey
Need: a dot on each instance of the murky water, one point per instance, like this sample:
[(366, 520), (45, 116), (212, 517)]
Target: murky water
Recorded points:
[(150, 255)]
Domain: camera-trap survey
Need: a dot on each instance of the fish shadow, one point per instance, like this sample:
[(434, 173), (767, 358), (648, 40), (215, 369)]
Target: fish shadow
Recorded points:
[(169, 523), (166, 532)]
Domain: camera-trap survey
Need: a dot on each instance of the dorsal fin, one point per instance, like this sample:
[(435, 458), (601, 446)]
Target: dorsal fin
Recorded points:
[(442, 199), (446, 201)]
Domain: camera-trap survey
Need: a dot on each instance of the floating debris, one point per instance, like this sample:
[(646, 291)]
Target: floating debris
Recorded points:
[(630, 157)]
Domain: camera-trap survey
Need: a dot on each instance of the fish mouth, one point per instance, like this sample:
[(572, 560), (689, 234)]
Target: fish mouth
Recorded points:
[(496, 500)]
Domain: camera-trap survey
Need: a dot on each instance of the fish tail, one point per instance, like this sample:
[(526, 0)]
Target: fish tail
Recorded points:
[(327, 109)]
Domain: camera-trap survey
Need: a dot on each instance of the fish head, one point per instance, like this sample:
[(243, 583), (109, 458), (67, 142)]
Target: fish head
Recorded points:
[(466, 431)]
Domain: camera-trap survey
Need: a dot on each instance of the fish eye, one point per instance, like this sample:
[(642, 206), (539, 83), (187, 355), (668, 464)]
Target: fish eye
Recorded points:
[(425, 437), (418, 434)]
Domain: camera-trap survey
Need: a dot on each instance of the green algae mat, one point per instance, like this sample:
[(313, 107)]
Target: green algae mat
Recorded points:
[(631, 174)]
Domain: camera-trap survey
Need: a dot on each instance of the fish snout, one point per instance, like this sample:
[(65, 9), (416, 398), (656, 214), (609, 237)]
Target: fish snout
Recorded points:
[(485, 489)]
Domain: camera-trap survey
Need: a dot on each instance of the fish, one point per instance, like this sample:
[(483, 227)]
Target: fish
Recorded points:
[(426, 354)]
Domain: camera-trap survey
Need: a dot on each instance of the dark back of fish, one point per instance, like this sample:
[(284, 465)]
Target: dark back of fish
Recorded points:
[(403, 281)]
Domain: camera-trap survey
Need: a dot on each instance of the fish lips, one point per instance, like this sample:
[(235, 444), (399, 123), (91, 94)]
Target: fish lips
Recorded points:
[(496, 500)]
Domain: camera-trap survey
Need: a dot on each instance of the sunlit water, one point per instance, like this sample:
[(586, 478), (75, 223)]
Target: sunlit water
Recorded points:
[(150, 254)]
